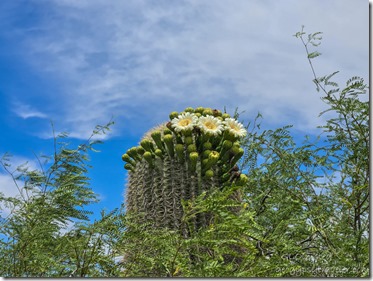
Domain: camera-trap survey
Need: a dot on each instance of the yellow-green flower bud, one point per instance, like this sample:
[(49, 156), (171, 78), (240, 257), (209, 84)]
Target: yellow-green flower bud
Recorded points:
[(225, 116), (132, 152), (193, 157), (125, 157), (199, 109), (207, 145), (179, 148), (158, 153), (157, 137), (174, 114), (189, 109), (169, 141), (167, 132), (207, 111), (236, 148), (206, 154), (188, 140), (129, 167), (168, 138), (242, 180), (149, 158), (198, 114), (147, 145), (140, 150), (211, 160), (128, 159), (191, 148), (214, 156), (209, 174)]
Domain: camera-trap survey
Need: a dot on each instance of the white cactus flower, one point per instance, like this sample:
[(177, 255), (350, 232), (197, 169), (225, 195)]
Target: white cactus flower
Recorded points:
[(184, 122), (234, 127), (210, 125)]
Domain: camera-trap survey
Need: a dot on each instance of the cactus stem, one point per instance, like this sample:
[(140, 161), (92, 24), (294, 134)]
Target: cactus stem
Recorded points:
[(149, 158), (226, 145), (157, 137), (168, 139), (193, 158), (237, 156), (179, 148)]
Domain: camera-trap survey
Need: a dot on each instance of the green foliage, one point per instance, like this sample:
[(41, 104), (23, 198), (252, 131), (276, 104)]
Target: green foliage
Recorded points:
[(225, 247), (88, 250), (313, 199), (50, 200)]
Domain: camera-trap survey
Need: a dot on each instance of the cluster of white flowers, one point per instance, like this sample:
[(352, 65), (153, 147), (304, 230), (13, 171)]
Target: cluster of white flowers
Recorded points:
[(208, 124)]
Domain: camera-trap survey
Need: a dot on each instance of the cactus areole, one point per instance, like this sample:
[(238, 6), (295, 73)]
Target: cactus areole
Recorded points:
[(195, 152)]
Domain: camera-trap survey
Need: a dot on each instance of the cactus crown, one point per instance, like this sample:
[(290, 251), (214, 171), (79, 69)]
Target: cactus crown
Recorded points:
[(195, 152)]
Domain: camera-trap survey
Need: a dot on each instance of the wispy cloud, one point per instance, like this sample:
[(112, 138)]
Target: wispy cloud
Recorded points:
[(12, 187), (7, 189), (139, 60), (26, 111), (7, 186)]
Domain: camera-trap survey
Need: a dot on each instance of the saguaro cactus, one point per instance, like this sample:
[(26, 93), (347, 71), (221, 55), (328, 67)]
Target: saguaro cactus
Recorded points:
[(195, 152)]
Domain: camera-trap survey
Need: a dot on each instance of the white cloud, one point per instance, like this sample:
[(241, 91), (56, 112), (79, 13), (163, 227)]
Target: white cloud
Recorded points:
[(17, 160), (140, 60), (9, 189), (7, 186), (26, 111), (67, 227)]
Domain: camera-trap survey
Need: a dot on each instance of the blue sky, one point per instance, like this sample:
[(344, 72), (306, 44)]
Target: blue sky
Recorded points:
[(79, 63)]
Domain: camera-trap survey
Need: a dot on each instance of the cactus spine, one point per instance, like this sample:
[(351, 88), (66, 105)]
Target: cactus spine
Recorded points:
[(195, 152)]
